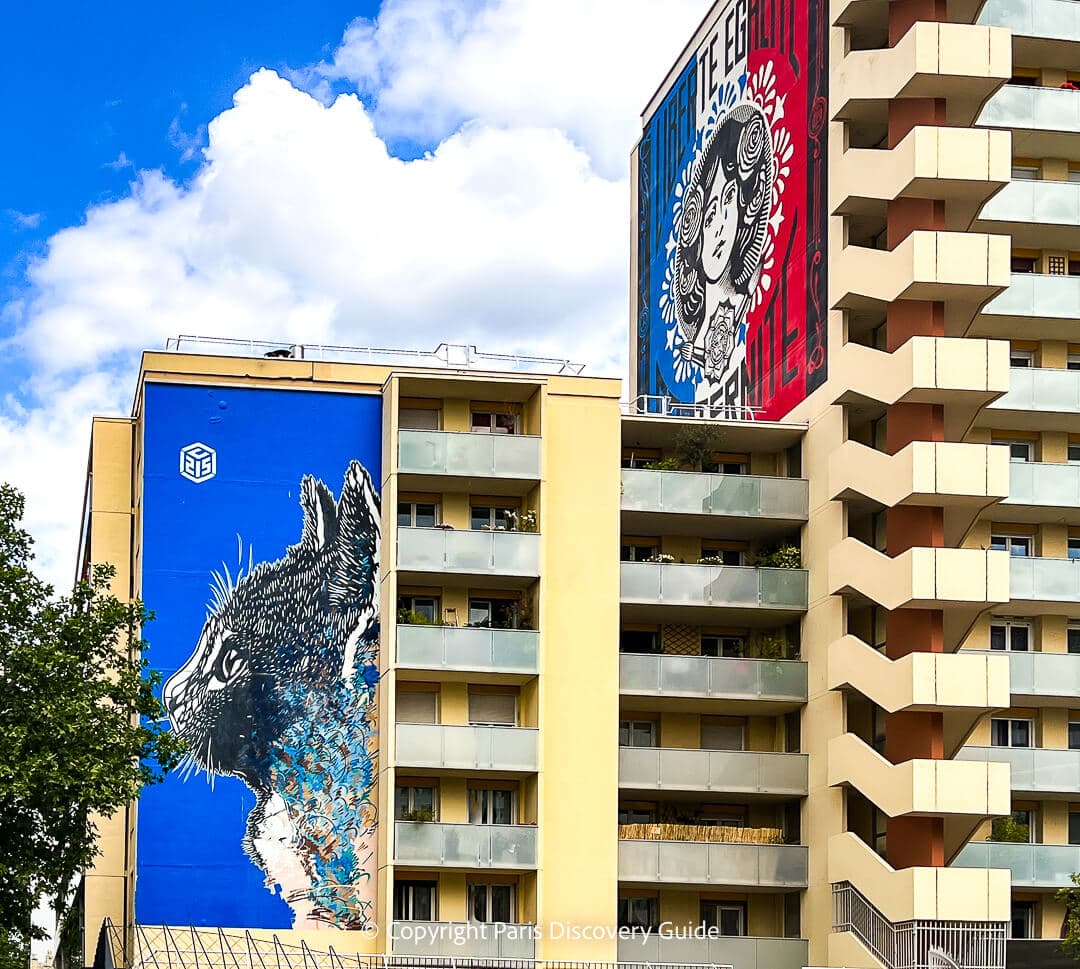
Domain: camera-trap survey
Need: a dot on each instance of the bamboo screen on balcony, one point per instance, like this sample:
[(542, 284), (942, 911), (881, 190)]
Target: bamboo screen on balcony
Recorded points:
[(711, 833)]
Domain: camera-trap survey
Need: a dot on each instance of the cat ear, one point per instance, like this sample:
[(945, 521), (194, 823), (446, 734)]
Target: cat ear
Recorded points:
[(355, 570), (320, 514)]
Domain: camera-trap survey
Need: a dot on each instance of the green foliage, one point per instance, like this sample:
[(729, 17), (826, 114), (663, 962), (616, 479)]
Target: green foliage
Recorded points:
[(1009, 829), (696, 445), (664, 464), (768, 645), (417, 814), (406, 617), (1070, 898), (81, 732), (784, 557)]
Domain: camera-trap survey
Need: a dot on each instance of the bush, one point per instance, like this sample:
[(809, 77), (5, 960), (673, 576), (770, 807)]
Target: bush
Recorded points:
[(1010, 830), (784, 557)]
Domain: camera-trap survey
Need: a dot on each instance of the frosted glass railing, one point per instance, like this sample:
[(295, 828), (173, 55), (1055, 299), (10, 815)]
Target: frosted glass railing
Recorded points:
[(465, 845), (454, 747), (463, 648), (453, 550), (710, 676), (713, 771), (698, 863), (732, 495), (469, 455), (713, 585)]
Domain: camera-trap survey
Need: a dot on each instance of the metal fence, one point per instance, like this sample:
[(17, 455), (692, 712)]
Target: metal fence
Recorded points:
[(918, 944), (165, 947)]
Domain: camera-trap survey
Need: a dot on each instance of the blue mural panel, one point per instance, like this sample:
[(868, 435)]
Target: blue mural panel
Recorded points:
[(260, 560)]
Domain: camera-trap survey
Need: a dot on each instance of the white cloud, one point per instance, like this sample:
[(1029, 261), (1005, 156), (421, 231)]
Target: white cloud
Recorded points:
[(301, 226), (23, 220), (587, 68)]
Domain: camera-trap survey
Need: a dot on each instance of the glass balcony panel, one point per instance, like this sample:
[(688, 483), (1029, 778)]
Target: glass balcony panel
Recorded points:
[(1033, 769), (783, 773), (451, 647), (1032, 108), (465, 845), (731, 771), (744, 952), (713, 585), (1052, 485), (782, 866), (1058, 19), (783, 678), (454, 550), (727, 676), (453, 747), (1031, 865), (471, 455), (726, 583), (734, 495), (783, 587), (1051, 580)]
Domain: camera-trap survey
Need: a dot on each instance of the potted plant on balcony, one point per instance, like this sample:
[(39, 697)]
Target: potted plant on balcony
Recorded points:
[(1010, 830), (417, 814), (780, 557)]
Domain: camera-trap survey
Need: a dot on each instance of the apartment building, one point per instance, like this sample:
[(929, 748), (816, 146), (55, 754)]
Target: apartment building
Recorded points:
[(769, 660)]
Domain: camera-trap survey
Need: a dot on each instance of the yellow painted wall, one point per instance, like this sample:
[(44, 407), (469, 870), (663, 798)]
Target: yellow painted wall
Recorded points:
[(579, 622)]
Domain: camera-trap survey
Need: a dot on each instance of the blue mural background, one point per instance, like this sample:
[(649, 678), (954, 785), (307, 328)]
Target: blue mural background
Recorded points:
[(191, 866)]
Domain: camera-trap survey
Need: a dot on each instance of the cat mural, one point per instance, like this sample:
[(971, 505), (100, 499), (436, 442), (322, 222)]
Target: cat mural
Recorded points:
[(280, 693)]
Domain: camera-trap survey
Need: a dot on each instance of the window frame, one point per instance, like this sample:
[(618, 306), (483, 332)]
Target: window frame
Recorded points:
[(487, 888), (408, 887), (631, 727), (1012, 721), (718, 907), (1011, 443), (493, 422), (411, 788), (1009, 626), (413, 515), (1011, 541)]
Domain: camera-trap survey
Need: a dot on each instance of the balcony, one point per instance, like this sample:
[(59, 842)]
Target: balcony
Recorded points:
[(971, 266), (512, 460), (1036, 771), (1041, 585), (1043, 214), (1043, 305), (1040, 867), (744, 772), (444, 747), (1036, 489), (728, 504), (430, 844), (438, 551), (702, 683), (691, 864), (964, 163), (743, 952), (692, 593), (475, 650), (937, 60), (1041, 679), (1038, 400), (1045, 121), (1051, 19), (465, 940)]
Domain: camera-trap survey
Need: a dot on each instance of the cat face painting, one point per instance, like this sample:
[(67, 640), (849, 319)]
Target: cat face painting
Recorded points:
[(279, 691)]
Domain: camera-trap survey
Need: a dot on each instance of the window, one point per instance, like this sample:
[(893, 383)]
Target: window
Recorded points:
[(491, 806), (721, 817), (497, 709), (1074, 267), (1073, 638), (634, 458), (727, 556), (1056, 265), (414, 706), (1013, 636), (414, 901), (1023, 173), (638, 551), (485, 422), (1024, 81), (721, 735), (724, 467), (1023, 920), (631, 815), (1074, 174), (490, 517), (417, 514), (639, 641), (639, 914), (1018, 450), (1074, 548), (729, 918), (1074, 828), (1074, 735), (1022, 827), (491, 903), (1022, 264), (731, 646), (637, 733), (493, 613), (1016, 545), (1073, 362), (1021, 358), (414, 803), (412, 609), (1010, 733), (419, 419)]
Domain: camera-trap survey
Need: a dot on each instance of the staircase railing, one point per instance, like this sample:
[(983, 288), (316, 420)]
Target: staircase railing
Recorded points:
[(918, 943)]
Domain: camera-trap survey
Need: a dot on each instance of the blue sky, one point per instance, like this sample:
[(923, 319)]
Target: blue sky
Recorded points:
[(394, 174), (91, 92)]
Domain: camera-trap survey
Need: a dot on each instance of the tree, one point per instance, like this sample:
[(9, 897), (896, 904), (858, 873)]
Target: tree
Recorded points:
[(1070, 945), (80, 728)]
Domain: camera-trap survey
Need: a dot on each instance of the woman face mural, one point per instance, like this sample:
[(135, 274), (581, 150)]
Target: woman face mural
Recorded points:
[(722, 237)]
